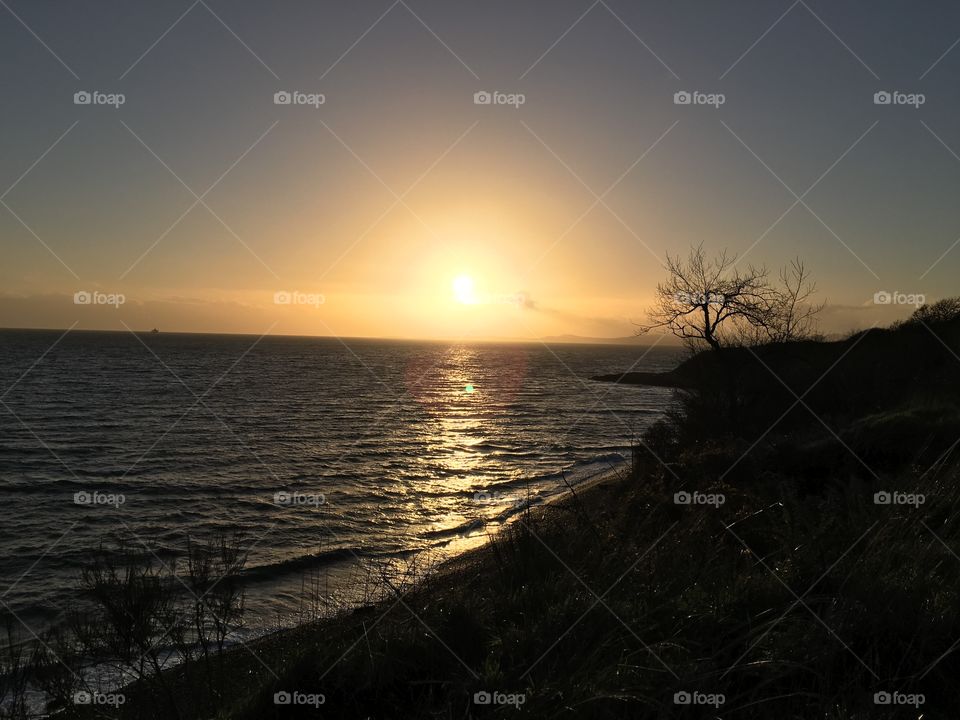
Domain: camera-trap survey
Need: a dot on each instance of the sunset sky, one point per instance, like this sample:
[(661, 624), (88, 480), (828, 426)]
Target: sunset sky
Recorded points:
[(415, 212)]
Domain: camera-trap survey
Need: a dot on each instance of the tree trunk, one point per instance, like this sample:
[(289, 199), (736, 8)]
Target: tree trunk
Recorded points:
[(707, 329)]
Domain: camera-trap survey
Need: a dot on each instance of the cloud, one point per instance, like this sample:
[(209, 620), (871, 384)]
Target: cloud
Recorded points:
[(590, 324)]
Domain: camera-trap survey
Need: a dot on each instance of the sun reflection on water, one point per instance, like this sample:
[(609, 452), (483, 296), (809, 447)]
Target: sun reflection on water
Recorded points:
[(462, 396)]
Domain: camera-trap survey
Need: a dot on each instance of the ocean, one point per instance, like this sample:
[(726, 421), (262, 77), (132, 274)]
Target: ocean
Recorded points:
[(325, 454)]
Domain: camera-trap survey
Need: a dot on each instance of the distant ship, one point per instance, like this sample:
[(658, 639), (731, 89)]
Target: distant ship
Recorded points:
[(154, 331)]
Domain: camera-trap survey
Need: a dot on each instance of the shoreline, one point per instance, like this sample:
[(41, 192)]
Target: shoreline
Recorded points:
[(438, 577), (474, 535), (476, 544), (247, 656)]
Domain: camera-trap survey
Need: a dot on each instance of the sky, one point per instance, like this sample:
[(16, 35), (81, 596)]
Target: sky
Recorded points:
[(386, 201)]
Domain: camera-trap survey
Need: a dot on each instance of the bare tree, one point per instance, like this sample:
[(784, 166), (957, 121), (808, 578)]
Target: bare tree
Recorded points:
[(795, 316), (700, 297), (788, 313), (713, 302)]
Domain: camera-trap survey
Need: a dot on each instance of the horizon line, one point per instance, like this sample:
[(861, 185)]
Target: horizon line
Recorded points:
[(556, 339)]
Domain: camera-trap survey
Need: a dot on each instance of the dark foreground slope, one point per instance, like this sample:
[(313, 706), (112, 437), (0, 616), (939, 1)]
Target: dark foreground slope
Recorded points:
[(787, 546)]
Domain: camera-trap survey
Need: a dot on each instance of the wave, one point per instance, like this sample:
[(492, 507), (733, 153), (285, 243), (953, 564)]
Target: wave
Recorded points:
[(312, 561), (573, 474), (464, 528), (134, 486)]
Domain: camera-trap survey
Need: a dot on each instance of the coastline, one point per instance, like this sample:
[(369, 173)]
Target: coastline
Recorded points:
[(343, 571), (278, 647), (642, 586), (586, 491), (476, 546)]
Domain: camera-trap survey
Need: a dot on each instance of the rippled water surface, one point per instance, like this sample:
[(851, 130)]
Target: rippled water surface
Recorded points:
[(391, 446)]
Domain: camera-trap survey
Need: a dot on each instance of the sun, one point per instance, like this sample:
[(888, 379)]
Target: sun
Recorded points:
[(463, 290)]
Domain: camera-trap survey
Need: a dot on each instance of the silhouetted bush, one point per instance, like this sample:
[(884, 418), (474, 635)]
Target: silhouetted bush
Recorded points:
[(942, 311)]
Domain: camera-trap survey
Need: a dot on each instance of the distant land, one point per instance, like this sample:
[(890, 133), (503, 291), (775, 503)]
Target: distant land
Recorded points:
[(628, 340)]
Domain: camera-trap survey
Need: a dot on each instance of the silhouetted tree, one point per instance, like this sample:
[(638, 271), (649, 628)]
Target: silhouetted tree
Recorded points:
[(789, 313), (712, 301)]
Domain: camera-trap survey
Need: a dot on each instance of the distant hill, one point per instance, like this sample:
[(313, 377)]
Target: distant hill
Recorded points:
[(586, 340)]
